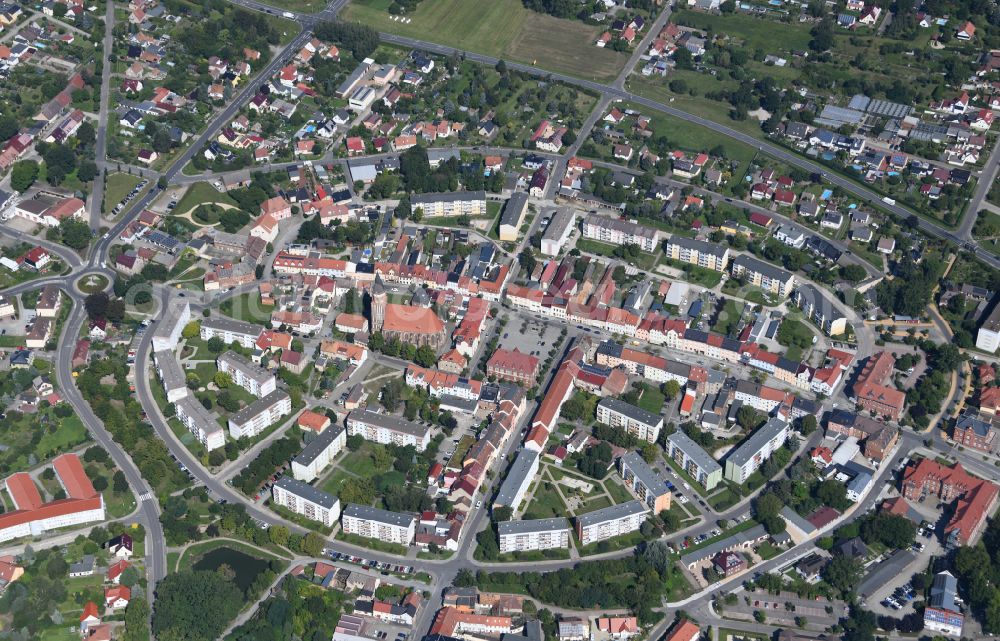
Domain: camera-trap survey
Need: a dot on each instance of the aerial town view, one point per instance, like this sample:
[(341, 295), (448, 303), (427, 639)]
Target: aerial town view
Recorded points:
[(499, 320)]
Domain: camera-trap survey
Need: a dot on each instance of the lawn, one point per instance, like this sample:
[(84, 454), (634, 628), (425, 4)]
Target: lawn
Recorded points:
[(723, 500), (301, 6), (644, 260), (622, 542), (461, 450), (707, 278), (361, 462), (618, 491), (651, 399), (728, 320), (71, 432), (247, 307), (199, 194), (503, 29), (546, 502), (118, 186)]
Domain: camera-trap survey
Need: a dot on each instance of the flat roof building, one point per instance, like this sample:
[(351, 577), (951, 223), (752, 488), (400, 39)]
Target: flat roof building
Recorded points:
[(557, 231), (230, 330), (694, 460), (307, 501), (168, 330), (636, 421), (259, 415), (247, 374), (318, 453), (647, 485), (375, 523), (385, 429), (518, 480), (200, 422), (610, 522), (533, 534), (745, 459)]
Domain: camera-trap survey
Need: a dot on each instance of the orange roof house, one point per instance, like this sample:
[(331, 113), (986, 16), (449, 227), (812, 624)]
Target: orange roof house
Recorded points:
[(684, 631), (310, 420)]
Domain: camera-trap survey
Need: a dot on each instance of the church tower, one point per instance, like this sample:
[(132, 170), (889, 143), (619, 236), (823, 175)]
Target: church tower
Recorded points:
[(379, 299)]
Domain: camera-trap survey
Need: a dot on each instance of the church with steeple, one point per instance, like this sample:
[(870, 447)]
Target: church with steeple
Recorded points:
[(408, 323)]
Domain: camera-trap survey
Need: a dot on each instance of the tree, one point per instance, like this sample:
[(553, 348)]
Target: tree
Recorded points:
[(526, 259), (85, 133), (279, 534), (87, 170), (96, 305), (312, 544), (195, 606), (75, 233), (822, 36), (808, 425), (650, 452), (23, 175), (223, 379), (842, 573), (136, 614), (191, 330), (671, 389), (119, 483)]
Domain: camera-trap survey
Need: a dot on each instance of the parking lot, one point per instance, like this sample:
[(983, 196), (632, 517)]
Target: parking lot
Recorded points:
[(891, 591), (530, 336)]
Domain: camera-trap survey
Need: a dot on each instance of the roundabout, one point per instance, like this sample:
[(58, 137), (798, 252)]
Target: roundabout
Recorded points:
[(92, 283)]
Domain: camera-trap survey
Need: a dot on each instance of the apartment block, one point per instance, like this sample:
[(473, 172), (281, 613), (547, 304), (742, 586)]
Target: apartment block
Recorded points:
[(619, 232), (697, 252), (456, 203), (533, 534), (171, 375), (307, 501), (610, 522), (820, 309), (694, 460), (636, 421), (515, 485), (756, 272), (257, 416), (374, 523), (319, 453), (645, 483), (230, 330), (751, 454), (247, 374), (168, 330), (385, 429), (200, 422), (557, 232)]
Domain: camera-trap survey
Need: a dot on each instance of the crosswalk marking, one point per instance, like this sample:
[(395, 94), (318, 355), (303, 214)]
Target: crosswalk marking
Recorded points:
[(147, 496)]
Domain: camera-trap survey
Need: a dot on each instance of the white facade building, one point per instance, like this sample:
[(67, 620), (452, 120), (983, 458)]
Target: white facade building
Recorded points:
[(319, 453), (374, 523), (247, 374), (306, 501), (533, 534), (257, 416)]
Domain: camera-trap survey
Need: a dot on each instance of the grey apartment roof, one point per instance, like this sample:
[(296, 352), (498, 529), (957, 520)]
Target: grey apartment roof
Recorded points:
[(711, 550), (234, 326), (385, 421), (171, 316), (694, 452), (352, 79), (751, 264), (316, 446), (514, 208), (741, 455), (370, 513), (810, 296), (448, 197), (612, 513), (245, 365), (307, 492), (248, 413), (562, 219), (653, 481), (699, 246), (532, 525), (516, 477), (191, 406), (170, 370), (618, 224), (992, 322), (631, 411), (943, 591)]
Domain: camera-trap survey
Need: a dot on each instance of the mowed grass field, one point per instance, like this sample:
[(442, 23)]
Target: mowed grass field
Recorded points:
[(501, 28)]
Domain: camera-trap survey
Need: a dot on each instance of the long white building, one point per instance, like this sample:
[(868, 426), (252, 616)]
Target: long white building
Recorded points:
[(533, 534), (230, 330), (319, 453), (200, 422), (616, 231), (515, 485), (374, 523), (384, 429), (456, 203), (168, 330), (634, 420), (247, 374), (610, 522), (257, 416), (307, 501), (171, 375)]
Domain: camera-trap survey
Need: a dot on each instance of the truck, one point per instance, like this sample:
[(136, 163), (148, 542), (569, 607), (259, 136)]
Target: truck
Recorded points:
[(889, 201)]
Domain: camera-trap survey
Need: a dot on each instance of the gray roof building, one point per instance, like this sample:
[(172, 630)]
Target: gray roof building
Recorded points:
[(253, 409), (699, 246), (451, 196), (245, 366), (694, 452), (369, 513), (613, 513), (307, 492), (531, 525), (316, 446), (222, 324), (749, 448), (631, 411), (393, 423), (518, 478)]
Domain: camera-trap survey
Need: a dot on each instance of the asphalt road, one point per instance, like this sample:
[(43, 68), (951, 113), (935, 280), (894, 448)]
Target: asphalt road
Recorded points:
[(101, 140)]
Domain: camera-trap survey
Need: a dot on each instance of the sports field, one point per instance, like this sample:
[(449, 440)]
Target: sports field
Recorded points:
[(500, 28)]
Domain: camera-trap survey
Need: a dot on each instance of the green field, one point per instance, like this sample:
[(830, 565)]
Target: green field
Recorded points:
[(503, 29), (199, 194), (247, 307), (546, 502), (117, 187)]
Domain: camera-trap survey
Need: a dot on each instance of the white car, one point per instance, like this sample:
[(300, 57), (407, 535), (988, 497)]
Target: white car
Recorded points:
[(683, 499), (479, 504)]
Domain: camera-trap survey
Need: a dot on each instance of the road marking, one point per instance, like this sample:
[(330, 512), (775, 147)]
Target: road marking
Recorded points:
[(148, 496)]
